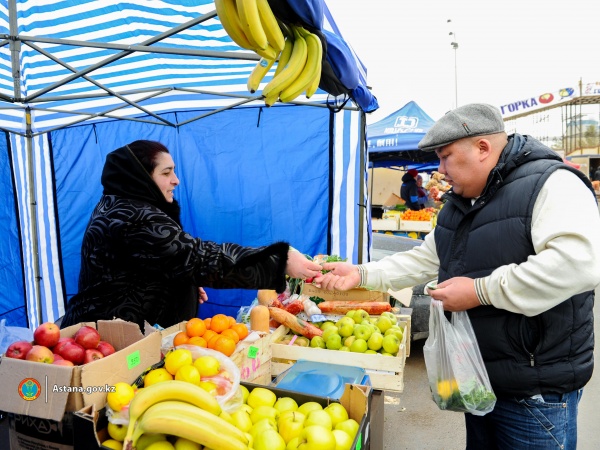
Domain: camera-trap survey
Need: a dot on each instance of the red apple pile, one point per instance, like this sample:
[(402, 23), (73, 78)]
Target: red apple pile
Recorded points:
[(48, 347)]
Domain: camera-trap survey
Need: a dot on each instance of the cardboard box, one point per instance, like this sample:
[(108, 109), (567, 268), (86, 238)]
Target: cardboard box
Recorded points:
[(393, 200), (25, 432), (90, 424), (416, 225), (359, 294), (385, 372), (62, 389)]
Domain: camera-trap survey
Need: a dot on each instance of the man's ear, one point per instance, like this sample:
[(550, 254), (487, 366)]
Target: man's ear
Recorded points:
[(485, 148)]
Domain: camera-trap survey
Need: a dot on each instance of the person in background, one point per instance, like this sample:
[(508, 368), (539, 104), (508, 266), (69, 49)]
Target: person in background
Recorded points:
[(422, 193), (139, 265), (513, 250), (409, 191), (596, 176)]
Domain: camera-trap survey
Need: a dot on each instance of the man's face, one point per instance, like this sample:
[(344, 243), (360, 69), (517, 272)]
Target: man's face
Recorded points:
[(462, 164)]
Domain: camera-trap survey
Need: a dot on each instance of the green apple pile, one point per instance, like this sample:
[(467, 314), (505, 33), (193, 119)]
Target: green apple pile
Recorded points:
[(360, 333), (282, 424)]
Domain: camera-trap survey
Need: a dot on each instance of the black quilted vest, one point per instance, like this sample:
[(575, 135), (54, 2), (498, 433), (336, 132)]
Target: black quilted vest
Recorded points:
[(548, 353)]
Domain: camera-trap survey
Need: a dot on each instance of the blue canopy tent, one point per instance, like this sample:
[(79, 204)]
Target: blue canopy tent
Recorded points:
[(393, 141), (80, 78)]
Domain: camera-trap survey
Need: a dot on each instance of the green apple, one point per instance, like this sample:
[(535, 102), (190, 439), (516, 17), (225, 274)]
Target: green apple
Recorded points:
[(391, 343), (185, 444), (302, 341), (319, 417), (317, 342), (351, 313), (262, 425), (326, 324), (363, 331), (373, 320), (246, 407), (343, 348), (241, 420), (147, 439), (307, 407), (337, 412), (359, 346), (331, 331), (361, 315), (261, 396), (293, 444), (269, 440), (290, 425), (263, 412), (245, 393), (383, 323), (117, 431), (334, 342), (285, 404), (375, 342), (349, 340), (346, 329), (395, 329), (370, 352), (345, 320), (349, 426), (390, 315), (316, 437), (342, 440)]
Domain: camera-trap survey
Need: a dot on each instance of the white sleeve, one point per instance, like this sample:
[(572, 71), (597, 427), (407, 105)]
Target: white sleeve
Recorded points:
[(404, 269), (566, 239)]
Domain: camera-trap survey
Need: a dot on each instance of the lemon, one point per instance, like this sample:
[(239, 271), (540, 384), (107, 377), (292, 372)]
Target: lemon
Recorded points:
[(207, 365), (208, 387), (156, 376), (160, 445), (188, 373), (121, 396), (186, 444), (177, 358), (111, 443)]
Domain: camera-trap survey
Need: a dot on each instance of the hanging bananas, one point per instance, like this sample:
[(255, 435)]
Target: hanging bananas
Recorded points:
[(252, 25)]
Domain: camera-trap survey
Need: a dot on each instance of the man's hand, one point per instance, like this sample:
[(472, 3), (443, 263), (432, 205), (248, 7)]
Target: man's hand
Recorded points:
[(457, 294), (202, 295), (299, 266), (341, 276)]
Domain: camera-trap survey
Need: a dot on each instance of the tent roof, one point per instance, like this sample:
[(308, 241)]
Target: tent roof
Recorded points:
[(394, 139)]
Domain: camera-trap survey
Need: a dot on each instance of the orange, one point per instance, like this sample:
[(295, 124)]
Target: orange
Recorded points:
[(225, 345), (195, 327), (213, 340), (241, 330), (232, 334), (219, 323), (231, 321), (207, 322), (197, 340), (208, 334), (180, 338)]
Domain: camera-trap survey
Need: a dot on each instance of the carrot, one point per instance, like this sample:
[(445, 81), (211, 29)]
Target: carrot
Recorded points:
[(295, 323), (342, 307)]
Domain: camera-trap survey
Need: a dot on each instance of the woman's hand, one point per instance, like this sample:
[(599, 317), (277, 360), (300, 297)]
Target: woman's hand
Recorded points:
[(202, 295), (341, 276), (299, 266)]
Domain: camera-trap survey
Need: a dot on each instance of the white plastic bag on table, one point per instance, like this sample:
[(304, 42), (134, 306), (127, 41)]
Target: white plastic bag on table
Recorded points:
[(457, 375), (8, 335)]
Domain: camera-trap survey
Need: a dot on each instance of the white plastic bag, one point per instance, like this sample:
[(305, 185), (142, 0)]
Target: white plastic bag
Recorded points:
[(457, 375)]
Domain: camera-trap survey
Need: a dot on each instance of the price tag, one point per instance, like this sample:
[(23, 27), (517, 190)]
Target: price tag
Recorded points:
[(252, 352), (318, 318), (133, 360)]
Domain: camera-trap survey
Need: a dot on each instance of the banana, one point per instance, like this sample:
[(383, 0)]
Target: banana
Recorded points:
[(181, 425), (306, 77), (314, 84), (270, 25), (250, 21), (170, 390), (284, 57), (269, 52), (218, 423), (228, 16), (291, 71), (260, 70)]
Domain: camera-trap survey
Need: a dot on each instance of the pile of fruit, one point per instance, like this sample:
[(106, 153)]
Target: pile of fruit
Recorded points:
[(85, 346), (420, 215), (220, 333), (356, 332)]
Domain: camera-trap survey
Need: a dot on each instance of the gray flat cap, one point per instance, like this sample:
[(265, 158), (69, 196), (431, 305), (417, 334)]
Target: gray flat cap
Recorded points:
[(476, 119)]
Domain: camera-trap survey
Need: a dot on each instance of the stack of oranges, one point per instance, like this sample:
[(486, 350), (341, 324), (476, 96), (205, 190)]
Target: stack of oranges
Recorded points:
[(219, 332)]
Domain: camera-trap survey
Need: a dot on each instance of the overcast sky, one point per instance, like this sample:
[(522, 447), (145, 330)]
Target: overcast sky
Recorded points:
[(507, 50)]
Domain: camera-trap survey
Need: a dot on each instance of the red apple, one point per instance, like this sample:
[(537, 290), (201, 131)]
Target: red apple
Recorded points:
[(73, 352), (57, 357), (18, 350), (61, 343), (47, 334), (105, 348), (87, 337), (91, 354), (39, 353), (63, 362)]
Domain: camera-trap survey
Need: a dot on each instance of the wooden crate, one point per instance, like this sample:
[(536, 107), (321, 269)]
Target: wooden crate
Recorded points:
[(358, 294), (385, 372), (254, 360), (416, 225), (384, 224)]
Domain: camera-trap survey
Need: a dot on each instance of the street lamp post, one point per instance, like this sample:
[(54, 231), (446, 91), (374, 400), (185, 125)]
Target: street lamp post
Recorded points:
[(454, 45)]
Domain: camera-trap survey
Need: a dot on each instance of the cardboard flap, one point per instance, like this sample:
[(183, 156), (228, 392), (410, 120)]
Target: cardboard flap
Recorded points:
[(356, 397), (393, 200), (49, 382), (119, 333)]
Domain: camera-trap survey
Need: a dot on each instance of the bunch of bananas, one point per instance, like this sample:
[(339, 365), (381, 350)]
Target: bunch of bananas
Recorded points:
[(184, 410), (252, 25)]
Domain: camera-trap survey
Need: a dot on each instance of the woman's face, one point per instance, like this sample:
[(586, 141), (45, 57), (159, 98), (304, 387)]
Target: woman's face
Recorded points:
[(164, 175)]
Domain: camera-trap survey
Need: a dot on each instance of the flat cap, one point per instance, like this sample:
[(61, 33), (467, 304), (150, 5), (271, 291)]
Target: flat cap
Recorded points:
[(476, 119)]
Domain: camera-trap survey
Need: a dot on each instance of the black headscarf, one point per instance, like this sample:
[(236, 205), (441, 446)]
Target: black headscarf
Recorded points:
[(124, 176)]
